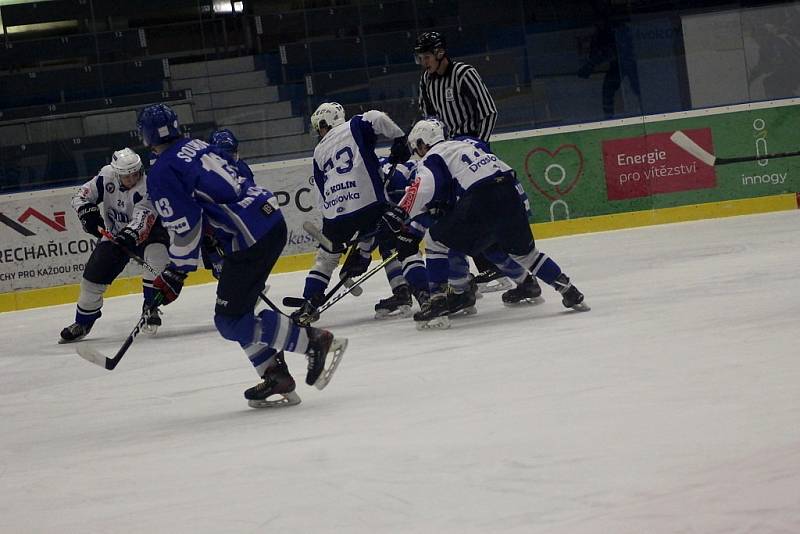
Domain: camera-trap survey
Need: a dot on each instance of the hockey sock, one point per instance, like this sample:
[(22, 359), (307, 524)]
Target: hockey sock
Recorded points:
[(415, 274), (265, 329), (86, 317), (260, 356), (506, 265), (546, 269), (320, 274), (148, 291), (437, 265), (458, 272)]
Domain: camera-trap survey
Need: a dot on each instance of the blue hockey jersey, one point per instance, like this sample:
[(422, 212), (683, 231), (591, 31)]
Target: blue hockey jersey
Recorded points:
[(193, 185)]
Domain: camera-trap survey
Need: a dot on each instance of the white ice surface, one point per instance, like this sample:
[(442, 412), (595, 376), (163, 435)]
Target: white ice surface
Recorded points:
[(672, 407)]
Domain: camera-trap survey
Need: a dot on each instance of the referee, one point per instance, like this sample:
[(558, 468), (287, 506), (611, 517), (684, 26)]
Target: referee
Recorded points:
[(454, 92)]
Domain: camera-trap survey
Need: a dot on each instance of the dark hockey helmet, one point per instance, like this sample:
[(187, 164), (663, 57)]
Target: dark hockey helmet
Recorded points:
[(158, 124), (429, 42), (224, 139)]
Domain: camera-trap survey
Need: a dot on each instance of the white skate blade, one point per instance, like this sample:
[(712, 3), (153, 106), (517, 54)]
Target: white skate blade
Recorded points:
[(150, 329), (582, 307), (62, 341), (401, 311), (437, 323), (335, 353), (285, 399), (525, 302), (501, 284), (472, 310)]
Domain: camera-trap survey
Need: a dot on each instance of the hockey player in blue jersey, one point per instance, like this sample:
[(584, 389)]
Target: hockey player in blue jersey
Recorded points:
[(469, 200), (350, 192), (224, 140), (191, 185)]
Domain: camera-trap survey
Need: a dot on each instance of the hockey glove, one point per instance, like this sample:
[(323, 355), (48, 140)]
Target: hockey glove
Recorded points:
[(91, 220), (399, 151), (212, 259), (169, 284), (127, 238), (407, 245), (308, 312), (392, 222), (355, 265)]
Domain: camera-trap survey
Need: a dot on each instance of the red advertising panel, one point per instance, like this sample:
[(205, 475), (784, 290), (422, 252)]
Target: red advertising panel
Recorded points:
[(652, 164)]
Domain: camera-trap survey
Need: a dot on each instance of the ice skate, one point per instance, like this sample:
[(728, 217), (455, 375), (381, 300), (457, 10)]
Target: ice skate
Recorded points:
[(153, 320), (434, 314), (323, 349), (277, 381), (526, 292), (461, 303), (74, 332), (491, 280), (571, 296), (398, 305)]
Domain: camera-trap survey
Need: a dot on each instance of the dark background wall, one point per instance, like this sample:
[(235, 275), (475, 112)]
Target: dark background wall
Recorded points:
[(74, 72)]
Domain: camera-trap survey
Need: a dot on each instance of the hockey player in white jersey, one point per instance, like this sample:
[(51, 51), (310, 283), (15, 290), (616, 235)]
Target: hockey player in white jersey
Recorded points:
[(129, 216), (351, 193), (469, 201)]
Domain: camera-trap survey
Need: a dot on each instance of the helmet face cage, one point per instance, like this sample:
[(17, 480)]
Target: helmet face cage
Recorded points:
[(428, 132), (224, 139), (158, 124), (127, 165), (328, 114)]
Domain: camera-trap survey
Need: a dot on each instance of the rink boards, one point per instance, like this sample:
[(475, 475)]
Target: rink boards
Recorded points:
[(582, 178)]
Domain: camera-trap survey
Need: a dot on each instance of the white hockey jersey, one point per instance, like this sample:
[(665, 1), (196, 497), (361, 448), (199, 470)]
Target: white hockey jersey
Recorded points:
[(346, 170), (448, 170), (121, 207)]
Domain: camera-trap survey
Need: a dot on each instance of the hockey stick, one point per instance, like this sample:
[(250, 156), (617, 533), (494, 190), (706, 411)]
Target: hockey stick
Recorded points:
[(90, 354), (135, 257), (296, 302), (363, 278), (328, 245), (687, 144)]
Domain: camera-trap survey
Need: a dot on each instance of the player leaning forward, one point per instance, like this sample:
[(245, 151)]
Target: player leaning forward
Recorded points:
[(194, 185), (129, 216), (474, 197)]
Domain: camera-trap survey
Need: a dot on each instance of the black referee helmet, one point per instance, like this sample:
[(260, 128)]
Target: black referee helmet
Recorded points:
[(429, 42)]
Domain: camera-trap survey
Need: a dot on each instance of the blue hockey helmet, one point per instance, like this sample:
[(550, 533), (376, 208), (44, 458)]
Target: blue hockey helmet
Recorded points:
[(224, 139), (158, 124)]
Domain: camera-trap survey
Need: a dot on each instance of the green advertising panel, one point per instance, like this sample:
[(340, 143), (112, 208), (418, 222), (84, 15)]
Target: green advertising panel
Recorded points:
[(637, 166)]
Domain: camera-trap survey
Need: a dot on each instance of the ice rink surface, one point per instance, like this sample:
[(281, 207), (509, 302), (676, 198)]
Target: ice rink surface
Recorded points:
[(672, 407)]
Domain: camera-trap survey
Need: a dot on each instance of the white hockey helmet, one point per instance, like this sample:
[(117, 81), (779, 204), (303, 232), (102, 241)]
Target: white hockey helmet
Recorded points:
[(328, 114), (126, 162), (428, 132)]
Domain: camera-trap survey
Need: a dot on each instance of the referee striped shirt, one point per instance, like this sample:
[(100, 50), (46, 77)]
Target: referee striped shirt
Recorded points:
[(460, 99)]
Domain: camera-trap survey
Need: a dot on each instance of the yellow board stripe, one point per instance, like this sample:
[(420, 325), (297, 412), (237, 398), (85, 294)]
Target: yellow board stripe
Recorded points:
[(35, 298)]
